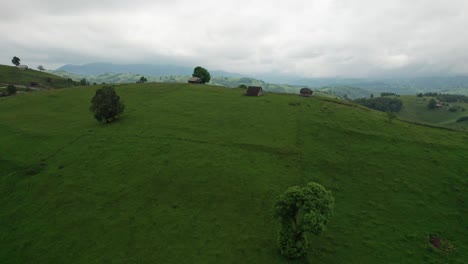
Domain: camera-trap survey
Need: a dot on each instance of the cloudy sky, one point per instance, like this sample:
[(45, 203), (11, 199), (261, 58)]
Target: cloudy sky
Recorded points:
[(310, 38)]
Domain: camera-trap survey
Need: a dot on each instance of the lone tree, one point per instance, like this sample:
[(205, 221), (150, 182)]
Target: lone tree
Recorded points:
[(142, 80), (432, 104), (84, 82), (106, 104), (302, 210), (201, 73), (41, 68), (11, 89), (16, 61)]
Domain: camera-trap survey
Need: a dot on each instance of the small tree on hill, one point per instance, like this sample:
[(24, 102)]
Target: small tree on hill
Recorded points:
[(142, 80), (432, 104), (16, 61), (243, 86), (106, 104), (201, 73), (84, 82), (11, 89), (41, 68), (301, 210)]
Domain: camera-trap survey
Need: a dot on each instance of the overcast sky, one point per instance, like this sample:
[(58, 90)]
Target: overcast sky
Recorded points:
[(311, 38)]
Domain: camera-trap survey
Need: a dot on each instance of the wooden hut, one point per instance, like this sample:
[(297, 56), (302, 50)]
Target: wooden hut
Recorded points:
[(254, 91), (306, 92), (195, 80)]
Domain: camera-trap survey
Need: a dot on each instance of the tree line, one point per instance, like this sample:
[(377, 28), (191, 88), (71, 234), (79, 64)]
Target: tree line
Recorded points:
[(384, 104)]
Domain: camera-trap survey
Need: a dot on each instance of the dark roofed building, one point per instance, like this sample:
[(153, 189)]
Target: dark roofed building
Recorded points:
[(306, 92), (254, 91), (194, 80)]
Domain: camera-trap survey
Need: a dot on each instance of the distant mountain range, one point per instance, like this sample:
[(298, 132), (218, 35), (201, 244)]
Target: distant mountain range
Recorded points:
[(352, 87), (153, 70)]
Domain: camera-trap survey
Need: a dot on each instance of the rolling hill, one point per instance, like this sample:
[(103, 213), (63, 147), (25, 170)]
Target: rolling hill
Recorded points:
[(353, 87), (415, 108), (153, 70), (230, 82), (13, 75), (189, 174)]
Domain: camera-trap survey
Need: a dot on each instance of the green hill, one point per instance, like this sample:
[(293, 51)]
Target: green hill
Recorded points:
[(231, 82), (13, 75), (415, 108), (189, 174)]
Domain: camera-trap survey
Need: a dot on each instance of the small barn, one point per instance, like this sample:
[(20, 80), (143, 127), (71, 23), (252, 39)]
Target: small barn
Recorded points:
[(306, 92), (22, 67), (194, 80), (254, 91)]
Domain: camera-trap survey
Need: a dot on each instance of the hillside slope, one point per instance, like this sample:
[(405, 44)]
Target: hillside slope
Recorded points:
[(415, 108), (231, 82), (13, 75), (189, 174)]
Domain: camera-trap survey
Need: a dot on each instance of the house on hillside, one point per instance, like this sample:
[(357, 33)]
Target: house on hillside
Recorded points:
[(195, 80), (306, 92), (22, 67), (254, 91)]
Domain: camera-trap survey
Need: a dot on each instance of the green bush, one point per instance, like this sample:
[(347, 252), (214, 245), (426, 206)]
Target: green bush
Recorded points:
[(302, 210), (202, 73), (432, 104), (106, 104), (461, 119), (384, 104), (11, 89), (453, 109)]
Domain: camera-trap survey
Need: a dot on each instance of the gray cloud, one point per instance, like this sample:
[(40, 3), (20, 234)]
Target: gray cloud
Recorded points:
[(319, 38)]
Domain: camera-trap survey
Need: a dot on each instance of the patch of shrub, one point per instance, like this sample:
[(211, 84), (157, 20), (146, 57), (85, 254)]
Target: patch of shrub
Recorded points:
[(452, 98), (432, 104), (461, 119), (388, 94), (384, 104), (11, 89)]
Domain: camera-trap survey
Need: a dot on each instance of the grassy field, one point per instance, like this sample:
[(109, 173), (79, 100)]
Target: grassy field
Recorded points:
[(12, 75), (189, 174), (415, 108)]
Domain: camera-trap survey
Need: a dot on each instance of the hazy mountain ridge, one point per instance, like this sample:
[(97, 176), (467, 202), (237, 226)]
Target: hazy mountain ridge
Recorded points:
[(154, 70), (450, 84), (231, 82)]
